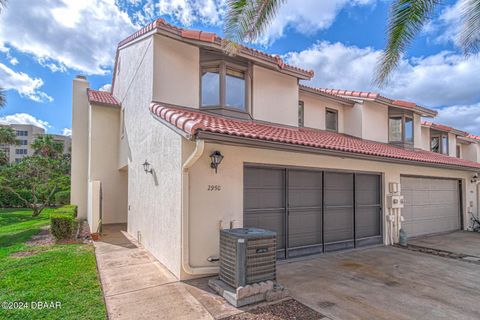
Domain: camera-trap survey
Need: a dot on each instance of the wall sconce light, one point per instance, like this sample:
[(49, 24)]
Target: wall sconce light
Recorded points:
[(146, 167), (474, 178), (217, 158)]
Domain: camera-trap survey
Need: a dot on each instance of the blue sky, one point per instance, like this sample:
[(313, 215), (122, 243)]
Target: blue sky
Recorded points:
[(44, 44)]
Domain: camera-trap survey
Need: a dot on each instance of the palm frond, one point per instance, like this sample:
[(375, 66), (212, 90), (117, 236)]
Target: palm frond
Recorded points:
[(470, 34), (3, 4), (3, 98), (407, 17), (247, 20)]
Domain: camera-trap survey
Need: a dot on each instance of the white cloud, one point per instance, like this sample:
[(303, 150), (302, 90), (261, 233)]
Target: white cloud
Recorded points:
[(13, 61), (80, 35), (106, 87), (307, 16), (189, 11), (22, 83), (67, 132), (466, 118), (443, 79), (24, 118)]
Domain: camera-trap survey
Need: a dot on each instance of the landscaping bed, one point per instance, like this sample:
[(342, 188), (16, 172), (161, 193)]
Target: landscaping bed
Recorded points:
[(41, 278)]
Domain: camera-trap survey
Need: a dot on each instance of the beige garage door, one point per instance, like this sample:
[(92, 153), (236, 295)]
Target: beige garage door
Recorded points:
[(431, 205)]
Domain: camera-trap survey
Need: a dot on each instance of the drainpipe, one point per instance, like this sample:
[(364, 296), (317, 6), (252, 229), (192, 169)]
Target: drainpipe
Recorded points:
[(187, 268)]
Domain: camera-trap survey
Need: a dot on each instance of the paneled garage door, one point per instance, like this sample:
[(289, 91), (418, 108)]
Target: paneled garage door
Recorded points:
[(431, 205), (313, 211)]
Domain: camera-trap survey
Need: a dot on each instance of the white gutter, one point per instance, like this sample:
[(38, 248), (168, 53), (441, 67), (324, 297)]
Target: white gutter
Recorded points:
[(196, 154)]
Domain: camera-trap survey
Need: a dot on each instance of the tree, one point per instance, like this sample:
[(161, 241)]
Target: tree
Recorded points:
[(246, 20), (7, 136), (46, 146), (41, 176)]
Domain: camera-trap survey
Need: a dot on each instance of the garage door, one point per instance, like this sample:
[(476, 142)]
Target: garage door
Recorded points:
[(431, 205), (313, 211)]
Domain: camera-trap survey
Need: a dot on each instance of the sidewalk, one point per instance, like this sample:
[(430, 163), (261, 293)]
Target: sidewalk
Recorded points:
[(137, 286)]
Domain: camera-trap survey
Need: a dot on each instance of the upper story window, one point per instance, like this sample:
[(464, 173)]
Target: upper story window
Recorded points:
[(223, 85), (331, 119), (22, 133), (22, 142), (301, 114), (459, 151), (439, 143), (401, 129)]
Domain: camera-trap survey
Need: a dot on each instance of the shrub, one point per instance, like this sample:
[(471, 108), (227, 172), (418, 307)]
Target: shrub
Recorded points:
[(62, 197), (10, 200), (62, 221)]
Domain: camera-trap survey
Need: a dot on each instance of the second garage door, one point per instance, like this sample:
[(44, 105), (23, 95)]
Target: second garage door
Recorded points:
[(431, 205)]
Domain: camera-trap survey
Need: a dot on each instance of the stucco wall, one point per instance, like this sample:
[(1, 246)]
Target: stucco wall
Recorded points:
[(210, 209), (375, 122), (353, 120), (79, 175), (315, 108), (471, 152), (425, 138), (275, 97), (417, 131), (103, 145), (176, 68), (154, 200), (452, 145)]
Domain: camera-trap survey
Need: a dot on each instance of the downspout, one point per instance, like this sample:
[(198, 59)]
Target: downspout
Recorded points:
[(187, 268)]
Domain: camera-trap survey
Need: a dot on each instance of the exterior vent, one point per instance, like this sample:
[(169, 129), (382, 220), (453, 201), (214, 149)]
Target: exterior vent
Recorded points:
[(247, 256)]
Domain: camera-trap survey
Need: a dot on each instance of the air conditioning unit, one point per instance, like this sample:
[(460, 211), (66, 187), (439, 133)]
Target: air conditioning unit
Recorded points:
[(247, 256)]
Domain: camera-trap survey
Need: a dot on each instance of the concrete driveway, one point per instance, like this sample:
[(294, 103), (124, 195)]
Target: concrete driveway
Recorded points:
[(389, 283)]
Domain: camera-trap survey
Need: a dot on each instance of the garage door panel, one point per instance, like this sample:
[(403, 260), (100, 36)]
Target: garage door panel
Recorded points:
[(264, 188), (271, 220), (338, 224), (431, 205), (304, 188), (368, 223), (304, 228)]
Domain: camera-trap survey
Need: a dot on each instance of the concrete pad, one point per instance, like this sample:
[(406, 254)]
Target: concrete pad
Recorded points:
[(460, 242), (135, 277), (385, 283), (168, 302), (216, 305)]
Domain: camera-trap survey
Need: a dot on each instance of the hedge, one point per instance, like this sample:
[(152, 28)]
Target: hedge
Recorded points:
[(62, 221), (62, 197), (10, 200)]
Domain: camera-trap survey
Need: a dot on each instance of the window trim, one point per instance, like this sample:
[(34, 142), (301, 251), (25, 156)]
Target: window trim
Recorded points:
[(403, 116), (440, 135), (301, 122), (335, 111), (222, 71)]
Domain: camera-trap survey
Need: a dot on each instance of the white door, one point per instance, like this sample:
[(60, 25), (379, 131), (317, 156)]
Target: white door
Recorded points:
[(431, 205)]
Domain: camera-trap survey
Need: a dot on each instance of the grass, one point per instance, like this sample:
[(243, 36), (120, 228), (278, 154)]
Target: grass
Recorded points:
[(57, 273)]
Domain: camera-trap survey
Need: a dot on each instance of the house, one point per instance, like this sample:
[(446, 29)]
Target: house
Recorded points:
[(26, 135), (191, 140)]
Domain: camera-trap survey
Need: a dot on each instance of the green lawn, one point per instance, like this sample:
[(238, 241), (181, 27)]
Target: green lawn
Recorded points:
[(62, 274)]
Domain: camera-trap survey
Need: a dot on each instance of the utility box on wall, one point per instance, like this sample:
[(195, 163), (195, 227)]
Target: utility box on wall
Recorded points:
[(395, 202)]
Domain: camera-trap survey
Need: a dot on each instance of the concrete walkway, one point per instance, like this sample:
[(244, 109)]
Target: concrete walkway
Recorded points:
[(460, 242), (137, 286)]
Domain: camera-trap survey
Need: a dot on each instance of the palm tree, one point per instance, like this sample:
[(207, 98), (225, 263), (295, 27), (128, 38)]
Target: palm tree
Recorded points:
[(7, 135), (46, 146), (246, 20)]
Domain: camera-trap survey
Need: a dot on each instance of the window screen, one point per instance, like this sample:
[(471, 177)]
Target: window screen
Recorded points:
[(395, 129), (331, 120)]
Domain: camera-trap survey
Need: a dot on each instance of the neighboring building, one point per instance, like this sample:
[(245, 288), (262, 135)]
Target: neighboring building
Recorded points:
[(323, 168), (26, 135)]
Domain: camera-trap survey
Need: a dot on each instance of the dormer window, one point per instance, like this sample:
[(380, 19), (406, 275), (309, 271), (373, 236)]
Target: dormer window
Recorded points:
[(331, 119), (223, 86), (401, 129), (439, 142)]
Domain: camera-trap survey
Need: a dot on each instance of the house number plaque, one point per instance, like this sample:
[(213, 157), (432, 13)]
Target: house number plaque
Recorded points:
[(214, 187)]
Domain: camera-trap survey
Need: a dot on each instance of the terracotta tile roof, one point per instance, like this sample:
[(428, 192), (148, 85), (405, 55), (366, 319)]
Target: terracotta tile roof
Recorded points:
[(192, 121), (102, 97), (376, 96), (442, 127), (319, 91), (212, 38)]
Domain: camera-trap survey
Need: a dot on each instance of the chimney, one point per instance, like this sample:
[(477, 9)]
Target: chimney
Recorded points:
[(80, 127)]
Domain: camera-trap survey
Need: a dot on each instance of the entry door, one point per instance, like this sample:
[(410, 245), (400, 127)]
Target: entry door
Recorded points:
[(264, 202), (431, 205), (304, 210), (338, 211)]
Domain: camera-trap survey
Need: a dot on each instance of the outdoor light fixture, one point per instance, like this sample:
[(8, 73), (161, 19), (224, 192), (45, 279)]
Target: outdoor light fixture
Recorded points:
[(475, 178), (146, 167), (217, 158)]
